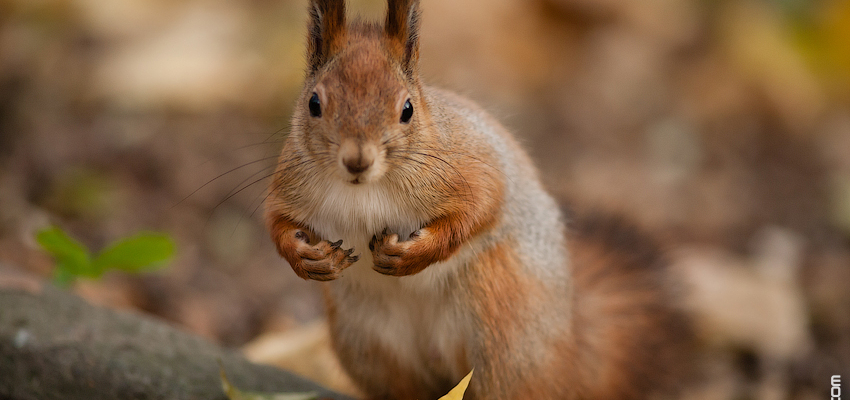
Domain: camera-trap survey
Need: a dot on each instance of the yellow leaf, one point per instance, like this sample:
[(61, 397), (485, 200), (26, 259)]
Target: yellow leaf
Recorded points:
[(457, 392)]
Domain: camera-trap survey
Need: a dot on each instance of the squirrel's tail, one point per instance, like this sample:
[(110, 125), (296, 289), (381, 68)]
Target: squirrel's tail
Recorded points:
[(631, 339)]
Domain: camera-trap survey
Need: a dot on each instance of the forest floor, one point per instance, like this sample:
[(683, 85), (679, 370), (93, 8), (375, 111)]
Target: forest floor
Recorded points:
[(721, 128)]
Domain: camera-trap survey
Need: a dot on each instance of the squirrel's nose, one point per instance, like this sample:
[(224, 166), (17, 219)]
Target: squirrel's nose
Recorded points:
[(357, 165), (356, 158)]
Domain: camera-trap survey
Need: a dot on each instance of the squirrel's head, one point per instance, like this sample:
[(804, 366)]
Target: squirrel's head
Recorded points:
[(362, 99)]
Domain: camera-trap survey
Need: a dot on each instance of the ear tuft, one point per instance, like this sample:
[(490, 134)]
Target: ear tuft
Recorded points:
[(326, 33), (402, 30)]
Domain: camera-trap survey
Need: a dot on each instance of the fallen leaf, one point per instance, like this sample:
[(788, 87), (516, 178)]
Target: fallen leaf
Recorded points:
[(457, 392)]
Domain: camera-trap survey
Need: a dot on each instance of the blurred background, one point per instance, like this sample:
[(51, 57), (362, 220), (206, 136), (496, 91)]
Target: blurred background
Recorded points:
[(722, 127)]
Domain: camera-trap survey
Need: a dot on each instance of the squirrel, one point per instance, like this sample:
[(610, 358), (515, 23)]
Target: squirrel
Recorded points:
[(438, 245)]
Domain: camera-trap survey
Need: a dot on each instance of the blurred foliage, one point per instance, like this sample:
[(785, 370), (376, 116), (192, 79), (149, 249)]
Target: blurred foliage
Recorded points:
[(233, 393), (821, 31), (82, 193), (142, 252)]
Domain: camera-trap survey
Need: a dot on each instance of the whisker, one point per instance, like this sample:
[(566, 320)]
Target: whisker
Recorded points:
[(220, 176), (228, 197), (457, 172)]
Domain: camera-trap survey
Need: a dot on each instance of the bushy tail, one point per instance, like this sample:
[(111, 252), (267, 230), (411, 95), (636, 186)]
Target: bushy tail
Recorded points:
[(632, 342)]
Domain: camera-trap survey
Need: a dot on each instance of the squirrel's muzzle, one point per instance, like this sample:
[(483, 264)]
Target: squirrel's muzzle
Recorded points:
[(356, 157)]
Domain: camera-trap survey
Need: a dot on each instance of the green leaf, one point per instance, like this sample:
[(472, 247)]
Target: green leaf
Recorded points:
[(72, 257), (143, 251), (63, 276)]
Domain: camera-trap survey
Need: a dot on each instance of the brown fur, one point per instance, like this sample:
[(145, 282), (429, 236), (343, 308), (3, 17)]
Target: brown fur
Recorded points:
[(630, 338), (326, 32), (484, 281), (402, 28), (496, 294), (626, 339)]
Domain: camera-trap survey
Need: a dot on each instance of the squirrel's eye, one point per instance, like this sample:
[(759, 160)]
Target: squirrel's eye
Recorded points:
[(315, 107), (406, 112)]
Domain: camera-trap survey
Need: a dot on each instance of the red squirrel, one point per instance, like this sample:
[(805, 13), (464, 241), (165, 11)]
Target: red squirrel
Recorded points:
[(438, 245)]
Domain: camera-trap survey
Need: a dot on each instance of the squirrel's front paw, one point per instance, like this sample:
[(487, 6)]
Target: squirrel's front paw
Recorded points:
[(323, 261), (392, 257)]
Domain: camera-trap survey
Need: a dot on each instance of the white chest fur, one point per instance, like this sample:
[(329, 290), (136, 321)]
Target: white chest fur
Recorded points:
[(411, 313), (356, 213), (341, 209)]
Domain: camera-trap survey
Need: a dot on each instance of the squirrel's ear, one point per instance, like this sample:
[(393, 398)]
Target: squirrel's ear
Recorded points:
[(402, 29), (326, 33)]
